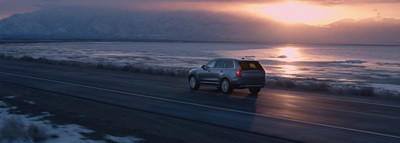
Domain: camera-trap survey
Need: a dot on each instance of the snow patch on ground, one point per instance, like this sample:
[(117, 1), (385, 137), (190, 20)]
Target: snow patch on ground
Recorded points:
[(3, 104), (55, 133), (70, 134), (387, 87), (127, 139), (10, 97), (30, 102)]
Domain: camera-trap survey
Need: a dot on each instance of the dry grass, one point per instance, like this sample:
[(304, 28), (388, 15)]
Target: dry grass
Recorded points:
[(304, 84), (138, 68), (354, 90), (14, 130), (329, 87)]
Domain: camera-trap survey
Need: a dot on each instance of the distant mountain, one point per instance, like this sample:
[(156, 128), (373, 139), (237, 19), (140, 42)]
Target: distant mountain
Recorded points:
[(366, 31), (84, 24), (95, 24)]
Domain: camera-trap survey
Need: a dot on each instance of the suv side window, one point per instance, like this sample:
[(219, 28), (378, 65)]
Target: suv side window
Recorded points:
[(210, 64), (219, 64), (229, 64)]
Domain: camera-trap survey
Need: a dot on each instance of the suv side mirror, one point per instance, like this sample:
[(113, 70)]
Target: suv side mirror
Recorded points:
[(203, 67)]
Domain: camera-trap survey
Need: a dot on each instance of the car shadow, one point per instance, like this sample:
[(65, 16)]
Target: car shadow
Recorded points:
[(239, 102)]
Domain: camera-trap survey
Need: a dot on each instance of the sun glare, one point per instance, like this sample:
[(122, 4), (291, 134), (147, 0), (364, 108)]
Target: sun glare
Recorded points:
[(292, 11), (289, 54)]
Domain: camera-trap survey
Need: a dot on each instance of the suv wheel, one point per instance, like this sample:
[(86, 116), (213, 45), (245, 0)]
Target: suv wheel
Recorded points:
[(226, 86), (193, 83), (254, 90)]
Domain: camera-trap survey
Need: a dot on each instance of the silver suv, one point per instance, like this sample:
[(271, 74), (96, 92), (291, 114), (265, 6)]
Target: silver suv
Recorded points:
[(228, 73)]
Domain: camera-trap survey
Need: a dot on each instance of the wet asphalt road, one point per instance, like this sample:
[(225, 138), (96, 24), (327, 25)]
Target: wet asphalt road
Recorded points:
[(293, 115)]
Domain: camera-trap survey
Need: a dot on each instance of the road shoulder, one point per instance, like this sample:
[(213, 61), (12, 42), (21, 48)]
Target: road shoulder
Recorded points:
[(117, 121)]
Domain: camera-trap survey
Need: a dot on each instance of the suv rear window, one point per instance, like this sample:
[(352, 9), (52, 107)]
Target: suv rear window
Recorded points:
[(250, 65)]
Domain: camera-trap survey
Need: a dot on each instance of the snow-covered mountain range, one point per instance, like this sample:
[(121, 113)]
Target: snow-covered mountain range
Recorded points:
[(84, 24)]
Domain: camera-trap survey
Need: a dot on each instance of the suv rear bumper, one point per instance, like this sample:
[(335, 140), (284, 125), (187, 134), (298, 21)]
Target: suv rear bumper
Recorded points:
[(248, 83), (247, 86)]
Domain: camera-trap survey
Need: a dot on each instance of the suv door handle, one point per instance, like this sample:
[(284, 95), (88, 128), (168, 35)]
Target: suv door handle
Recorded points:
[(222, 71)]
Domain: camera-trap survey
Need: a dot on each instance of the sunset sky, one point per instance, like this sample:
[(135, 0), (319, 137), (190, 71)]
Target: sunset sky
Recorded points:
[(313, 12)]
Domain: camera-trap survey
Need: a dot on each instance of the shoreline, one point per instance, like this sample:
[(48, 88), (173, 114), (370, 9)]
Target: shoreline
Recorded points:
[(4, 41)]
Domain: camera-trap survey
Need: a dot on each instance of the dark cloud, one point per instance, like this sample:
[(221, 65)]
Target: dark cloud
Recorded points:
[(9, 7)]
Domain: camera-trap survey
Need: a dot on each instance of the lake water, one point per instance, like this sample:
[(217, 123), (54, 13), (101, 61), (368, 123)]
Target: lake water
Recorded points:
[(377, 66)]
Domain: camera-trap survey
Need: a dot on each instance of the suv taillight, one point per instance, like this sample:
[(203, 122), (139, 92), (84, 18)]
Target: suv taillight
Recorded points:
[(239, 72)]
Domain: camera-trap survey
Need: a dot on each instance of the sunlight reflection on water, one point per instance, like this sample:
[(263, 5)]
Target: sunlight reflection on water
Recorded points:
[(290, 71), (289, 54)]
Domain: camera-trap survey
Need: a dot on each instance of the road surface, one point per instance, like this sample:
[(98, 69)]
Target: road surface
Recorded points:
[(292, 115)]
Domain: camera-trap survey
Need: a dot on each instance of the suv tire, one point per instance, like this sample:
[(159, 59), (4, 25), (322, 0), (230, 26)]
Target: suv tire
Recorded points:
[(193, 83), (254, 90), (226, 86)]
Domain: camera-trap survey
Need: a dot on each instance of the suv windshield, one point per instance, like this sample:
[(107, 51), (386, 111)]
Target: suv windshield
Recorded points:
[(250, 65), (210, 64)]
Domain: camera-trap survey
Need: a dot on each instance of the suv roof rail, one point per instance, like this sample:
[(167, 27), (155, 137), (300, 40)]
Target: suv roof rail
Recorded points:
[(248, 57)]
